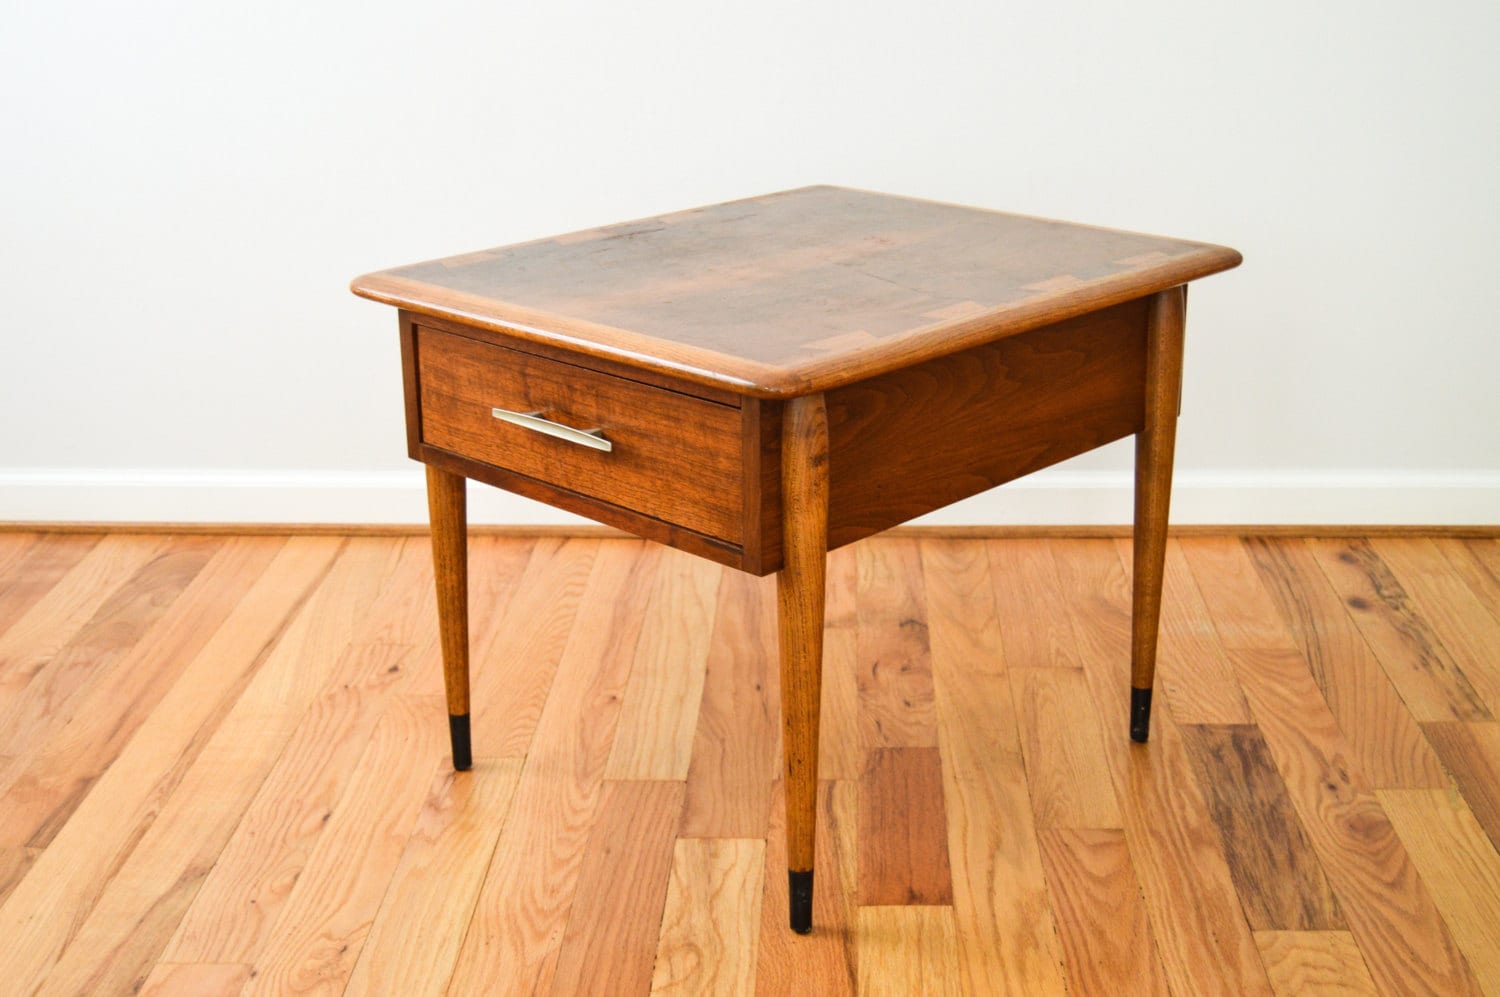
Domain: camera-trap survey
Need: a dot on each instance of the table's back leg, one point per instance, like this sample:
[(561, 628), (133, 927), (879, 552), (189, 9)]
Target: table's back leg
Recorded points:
[(450, 567), (1154, 447), (799, 600)]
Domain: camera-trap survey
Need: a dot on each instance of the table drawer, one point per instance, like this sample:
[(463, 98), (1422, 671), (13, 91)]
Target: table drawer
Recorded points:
[(673, 456)]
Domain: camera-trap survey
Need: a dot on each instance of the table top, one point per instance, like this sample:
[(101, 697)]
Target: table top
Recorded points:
[(798, 291)]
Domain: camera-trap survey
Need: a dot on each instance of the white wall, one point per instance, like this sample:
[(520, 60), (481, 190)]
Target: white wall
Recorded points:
[(186, 189)]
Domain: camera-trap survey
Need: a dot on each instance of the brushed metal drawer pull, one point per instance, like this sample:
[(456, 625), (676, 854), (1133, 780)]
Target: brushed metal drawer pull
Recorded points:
[(533, 421)]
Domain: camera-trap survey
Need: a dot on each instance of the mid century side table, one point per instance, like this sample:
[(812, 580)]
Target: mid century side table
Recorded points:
[(761, 381)]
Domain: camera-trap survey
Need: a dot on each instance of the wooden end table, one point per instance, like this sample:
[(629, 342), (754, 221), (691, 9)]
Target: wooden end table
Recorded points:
[(761, 381)]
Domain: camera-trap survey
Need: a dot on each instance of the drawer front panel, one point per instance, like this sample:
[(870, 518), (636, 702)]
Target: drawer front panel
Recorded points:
[(674, 457)]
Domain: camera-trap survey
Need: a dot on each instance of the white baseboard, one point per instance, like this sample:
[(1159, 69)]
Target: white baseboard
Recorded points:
[(1058, 497)]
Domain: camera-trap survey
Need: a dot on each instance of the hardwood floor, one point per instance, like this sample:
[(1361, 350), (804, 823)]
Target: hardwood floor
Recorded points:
[(223, 769)]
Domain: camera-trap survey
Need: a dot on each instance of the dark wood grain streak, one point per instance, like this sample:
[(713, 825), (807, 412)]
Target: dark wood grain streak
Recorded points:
[(1471, 751), (1431, 682), (1388, 907), (1275, 871), (1388, 746)]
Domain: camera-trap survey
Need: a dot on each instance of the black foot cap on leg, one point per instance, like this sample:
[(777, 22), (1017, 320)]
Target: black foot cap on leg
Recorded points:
[(800, 884), (1140, 714), (458, 732)]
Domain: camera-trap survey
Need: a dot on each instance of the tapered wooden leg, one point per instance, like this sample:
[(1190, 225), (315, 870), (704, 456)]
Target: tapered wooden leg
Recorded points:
[(1154, 447), (450, 566), (799, 601)]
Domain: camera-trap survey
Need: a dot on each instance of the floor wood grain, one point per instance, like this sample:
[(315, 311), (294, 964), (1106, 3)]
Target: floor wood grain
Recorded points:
[(1314, 962), (903, 835), (1280, 882), (223, 770), (1106, 932), (709, 928)]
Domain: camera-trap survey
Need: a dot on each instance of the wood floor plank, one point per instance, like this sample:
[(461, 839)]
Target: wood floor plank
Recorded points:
[(1202, 936), (825, 961), (1106, 933), (29, 646), (13, 548), (1065, 768), (610, 943), (1472, 754), (1467, 627), (145, 900), (734, 763), (413, 942), (1195, 678), (1477, 563), (323, 926), (840, 748), (188, 737), (44, 911), (659, 717), (1314, 962), (512, 670), (1034, 633), (121, 621), (1431, 683), (1005, 935), (41, 792), (33, 576), (1244, 615), (232, 914), (1387, 745), (521, 915), (895, 664), (908, 950), (711, 923), (201, 979), (903, 835), (1460, 866), (1277, 874), (1389, 910)]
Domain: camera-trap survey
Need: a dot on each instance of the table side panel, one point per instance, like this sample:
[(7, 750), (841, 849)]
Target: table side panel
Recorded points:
[(905, 443), (676, 458)]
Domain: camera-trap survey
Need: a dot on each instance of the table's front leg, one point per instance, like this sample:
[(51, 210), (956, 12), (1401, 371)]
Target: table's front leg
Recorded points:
[(1154, 447), (450, 567), (799, 601)]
